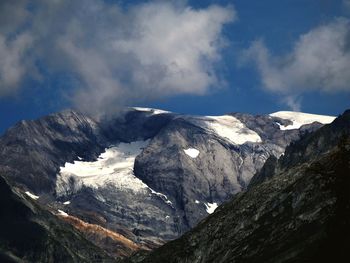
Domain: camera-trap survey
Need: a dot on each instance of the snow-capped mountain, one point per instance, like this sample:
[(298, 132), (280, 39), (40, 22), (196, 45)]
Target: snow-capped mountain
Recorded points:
[(148, 175)]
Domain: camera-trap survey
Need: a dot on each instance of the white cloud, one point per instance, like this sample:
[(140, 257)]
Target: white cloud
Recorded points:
[(320, 60), (293, 102), (183, 41), (147, 51)]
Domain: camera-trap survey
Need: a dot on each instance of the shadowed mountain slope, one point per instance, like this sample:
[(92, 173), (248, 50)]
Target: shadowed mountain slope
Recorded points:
[(29, 233)]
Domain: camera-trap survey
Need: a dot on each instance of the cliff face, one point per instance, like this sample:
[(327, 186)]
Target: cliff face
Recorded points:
[(299, 211), (35, 150)]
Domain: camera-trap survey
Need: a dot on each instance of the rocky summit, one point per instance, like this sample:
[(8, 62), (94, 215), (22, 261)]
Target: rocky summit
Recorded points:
[(144, 177)]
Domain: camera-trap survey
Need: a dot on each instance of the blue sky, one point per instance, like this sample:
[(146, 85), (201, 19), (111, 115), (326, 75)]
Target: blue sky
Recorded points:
[(198, 57)]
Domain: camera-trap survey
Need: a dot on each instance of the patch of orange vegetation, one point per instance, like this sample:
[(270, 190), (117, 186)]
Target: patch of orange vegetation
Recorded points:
[(125, 246)]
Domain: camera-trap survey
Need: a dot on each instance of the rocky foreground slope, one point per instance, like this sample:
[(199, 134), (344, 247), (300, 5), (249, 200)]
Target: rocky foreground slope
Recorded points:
[(146, 176), (29, 233), (296, 210)]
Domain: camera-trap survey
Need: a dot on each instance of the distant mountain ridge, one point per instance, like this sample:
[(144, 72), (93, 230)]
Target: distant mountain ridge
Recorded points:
[(174, 169)]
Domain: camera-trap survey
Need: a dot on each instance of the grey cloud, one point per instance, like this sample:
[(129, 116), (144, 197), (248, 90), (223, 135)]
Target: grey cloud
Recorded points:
[(320, 60), (346, 4), (13, 45), (145, 52), (12, 15), (13, 64)]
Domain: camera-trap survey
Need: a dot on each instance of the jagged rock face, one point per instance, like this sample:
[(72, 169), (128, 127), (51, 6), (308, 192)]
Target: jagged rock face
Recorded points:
[(184, 166), (143, 217), (36, 149), (28, 233), (298, 213), (165, 166), (133, 125)]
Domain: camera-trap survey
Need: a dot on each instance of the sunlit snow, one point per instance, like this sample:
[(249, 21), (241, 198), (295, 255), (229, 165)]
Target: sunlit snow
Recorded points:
[(153, 111), (210, 207), (193, 153), (35, 197), (228, 128), (62, 213), (66, 203), (162, 196), (299, 119), (113, 167)]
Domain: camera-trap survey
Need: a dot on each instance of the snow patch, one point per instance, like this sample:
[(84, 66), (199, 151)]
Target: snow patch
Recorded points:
[(228, 128), (299, 119), (162, 196), (197, 202), (62, 213), (115, 166), (193, 153), (66, 203), (210, 207), (35, 197), (153, 111)]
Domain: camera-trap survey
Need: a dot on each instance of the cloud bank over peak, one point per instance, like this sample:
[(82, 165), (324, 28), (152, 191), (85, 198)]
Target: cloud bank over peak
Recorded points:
[(117, 55), (320, 60)]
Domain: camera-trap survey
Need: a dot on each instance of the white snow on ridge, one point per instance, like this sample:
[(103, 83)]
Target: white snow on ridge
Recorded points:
[(153, 111), (114, 166), (163, 196), (193, 153), (62, 213), (66, 203), (228, 128), (35, 197), (211, 207), (299, 119)]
